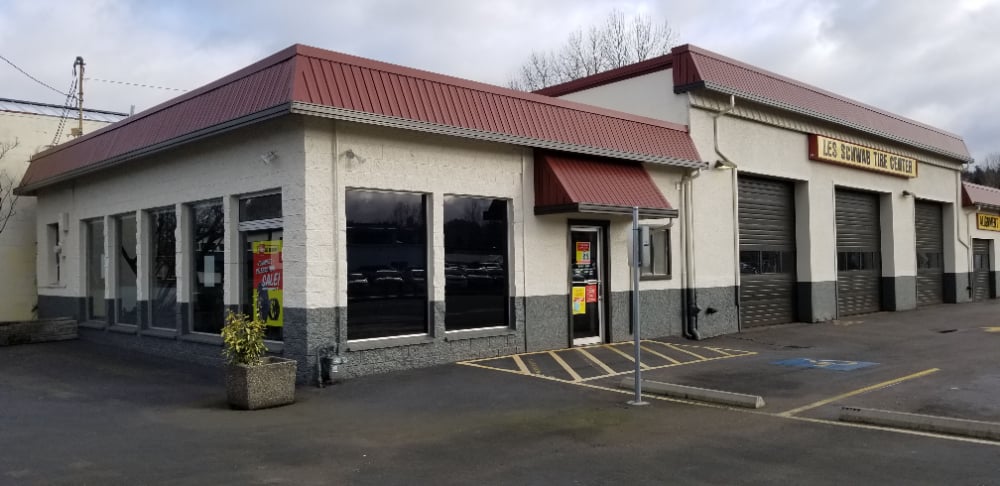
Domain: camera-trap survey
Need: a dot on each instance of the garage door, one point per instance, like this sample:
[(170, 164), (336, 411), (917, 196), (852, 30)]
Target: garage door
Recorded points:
[(767, 252), (981, 270), (859, 259), (930, 253)]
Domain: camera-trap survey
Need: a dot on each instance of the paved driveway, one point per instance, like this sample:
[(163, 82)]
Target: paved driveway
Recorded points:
[(80, 413)]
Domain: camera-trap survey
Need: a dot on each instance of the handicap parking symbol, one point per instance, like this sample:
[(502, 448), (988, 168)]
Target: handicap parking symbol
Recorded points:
[(826, 364)]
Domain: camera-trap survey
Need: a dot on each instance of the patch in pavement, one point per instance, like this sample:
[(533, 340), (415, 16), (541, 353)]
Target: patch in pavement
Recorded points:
[(826, 364), (588, 363)]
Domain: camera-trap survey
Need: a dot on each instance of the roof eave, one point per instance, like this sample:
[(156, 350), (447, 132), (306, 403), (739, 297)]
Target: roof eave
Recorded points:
[(964, 158), (32, 189), (420, 126)]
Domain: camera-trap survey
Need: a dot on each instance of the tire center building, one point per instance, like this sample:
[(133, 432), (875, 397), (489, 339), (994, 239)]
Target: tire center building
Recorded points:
[(393, 218)]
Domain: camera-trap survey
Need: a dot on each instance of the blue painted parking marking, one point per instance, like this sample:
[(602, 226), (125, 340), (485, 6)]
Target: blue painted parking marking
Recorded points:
[(826, 364)]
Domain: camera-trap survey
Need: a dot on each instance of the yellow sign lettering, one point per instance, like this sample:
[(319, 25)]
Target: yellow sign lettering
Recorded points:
[(827, 149), (988, 222)]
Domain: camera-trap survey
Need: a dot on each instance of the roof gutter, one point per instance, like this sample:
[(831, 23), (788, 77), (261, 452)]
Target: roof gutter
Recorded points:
[(32, 188), (813, 114), (421, 126)]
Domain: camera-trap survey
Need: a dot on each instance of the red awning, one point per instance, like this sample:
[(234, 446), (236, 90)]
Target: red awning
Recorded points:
[(573, 184)]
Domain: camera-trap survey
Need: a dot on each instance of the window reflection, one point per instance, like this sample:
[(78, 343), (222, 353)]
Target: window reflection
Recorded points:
[(95, 270), (475, 247), (208, 260), (126, 275), (387, 264), (163, 271)]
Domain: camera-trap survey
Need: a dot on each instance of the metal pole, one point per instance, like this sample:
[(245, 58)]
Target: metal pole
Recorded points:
[(636, 267)]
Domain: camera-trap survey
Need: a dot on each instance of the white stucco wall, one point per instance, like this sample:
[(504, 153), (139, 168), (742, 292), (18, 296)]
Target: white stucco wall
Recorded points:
[(33, 133), (221, 167), (649, 95), (767, 150)]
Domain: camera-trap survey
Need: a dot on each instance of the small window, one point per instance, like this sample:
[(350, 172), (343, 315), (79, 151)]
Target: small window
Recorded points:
[(260, 208), (655, 260), (53, 252), (96, 270)]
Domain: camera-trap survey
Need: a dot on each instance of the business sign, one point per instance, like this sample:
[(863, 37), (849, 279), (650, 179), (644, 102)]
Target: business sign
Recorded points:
[(827, 149), (583, 252), (988, 222), (267, 281)]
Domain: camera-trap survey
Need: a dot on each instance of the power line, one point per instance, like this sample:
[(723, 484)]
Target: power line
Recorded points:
[(8, 61), (134, 84)]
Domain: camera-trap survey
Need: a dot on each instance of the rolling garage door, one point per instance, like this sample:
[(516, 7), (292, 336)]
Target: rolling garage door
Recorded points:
[(767, 252), (930, 253), (859, 258), (981, 270)]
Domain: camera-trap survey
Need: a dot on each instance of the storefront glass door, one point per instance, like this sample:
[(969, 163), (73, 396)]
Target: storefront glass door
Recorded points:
[(586, 285)]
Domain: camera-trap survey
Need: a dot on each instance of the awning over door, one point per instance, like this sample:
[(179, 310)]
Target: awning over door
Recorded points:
[(574, 184)]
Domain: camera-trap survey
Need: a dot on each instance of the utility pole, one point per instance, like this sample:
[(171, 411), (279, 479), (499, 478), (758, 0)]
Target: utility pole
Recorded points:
[(76, 132)]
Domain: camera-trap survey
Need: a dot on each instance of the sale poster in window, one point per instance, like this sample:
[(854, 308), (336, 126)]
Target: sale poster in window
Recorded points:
[(579, 300), (267, 282)]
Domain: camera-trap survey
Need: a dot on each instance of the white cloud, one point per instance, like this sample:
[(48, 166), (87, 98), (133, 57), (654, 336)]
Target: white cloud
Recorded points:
[(919, 58)]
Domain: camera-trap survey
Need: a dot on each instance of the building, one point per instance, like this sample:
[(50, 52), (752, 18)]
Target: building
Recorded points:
[(983, 204), (30, 127), (391, 218)]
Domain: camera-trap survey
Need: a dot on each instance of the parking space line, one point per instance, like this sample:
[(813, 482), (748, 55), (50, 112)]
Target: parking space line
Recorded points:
[(677, 348), (859, 391), (626, 355), (596, 361), (717, 350), (520, 364), (654, 353), (569, 369)]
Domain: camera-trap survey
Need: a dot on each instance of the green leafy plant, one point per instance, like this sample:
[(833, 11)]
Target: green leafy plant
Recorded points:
[(243, 338)]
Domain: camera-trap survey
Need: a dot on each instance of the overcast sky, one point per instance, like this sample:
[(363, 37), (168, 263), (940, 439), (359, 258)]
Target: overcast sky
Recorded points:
[(936, 62)]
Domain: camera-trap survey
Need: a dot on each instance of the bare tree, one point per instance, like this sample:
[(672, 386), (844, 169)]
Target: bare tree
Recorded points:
[(985, 172), (617, 42), (8, 200)]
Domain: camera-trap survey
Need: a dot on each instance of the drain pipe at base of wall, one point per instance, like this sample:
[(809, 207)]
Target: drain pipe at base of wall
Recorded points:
[(691, 309), (726, 163), (958, 233)]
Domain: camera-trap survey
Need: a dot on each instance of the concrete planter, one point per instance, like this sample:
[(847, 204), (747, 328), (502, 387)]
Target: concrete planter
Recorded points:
[(270, 384), (41, 331)]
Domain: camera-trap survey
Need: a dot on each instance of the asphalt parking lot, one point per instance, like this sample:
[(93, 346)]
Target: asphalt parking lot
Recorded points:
[(81, 413)]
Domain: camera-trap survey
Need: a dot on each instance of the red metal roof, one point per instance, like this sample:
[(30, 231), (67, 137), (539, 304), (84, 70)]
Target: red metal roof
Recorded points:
[(564, 182), (695, 68), (302, 76), (975, 194)]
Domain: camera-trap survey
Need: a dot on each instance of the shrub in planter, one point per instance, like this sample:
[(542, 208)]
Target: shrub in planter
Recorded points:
[(253, 380)]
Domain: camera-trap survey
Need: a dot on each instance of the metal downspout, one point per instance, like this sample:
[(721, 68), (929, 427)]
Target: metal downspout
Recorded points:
[(727, 163), (958, 234), (691, 309)]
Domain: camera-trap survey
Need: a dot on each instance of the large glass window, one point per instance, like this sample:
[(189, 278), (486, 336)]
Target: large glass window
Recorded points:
[(475, 256), (126, 277), (95, 270), (163, 269), (208, 259), (386, 264)]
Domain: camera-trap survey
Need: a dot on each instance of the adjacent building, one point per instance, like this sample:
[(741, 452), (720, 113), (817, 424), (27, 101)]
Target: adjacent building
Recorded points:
[(384, 217), (27, 128)]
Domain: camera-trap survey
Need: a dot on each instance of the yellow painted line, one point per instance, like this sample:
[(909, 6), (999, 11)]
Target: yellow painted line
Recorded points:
[(576, 376), (654, 353), (627, 356), (720, 351), (660, 367), (596, 361), (677, 348), (859, 391), (992, 329), (740, 410), (520, 364)]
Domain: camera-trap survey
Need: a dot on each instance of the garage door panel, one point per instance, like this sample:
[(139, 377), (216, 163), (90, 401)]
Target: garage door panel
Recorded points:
[(767, 252), (981, 270), (859, 276), (929, 240)]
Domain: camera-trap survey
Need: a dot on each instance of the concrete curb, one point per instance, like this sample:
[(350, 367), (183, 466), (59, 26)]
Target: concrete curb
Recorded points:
[(926, 423), (695, 393)]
